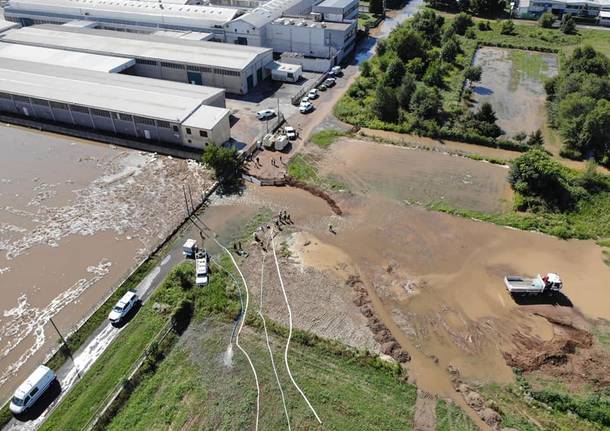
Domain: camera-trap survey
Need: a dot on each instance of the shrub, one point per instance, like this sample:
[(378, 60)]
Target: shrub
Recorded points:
[(546, 20)]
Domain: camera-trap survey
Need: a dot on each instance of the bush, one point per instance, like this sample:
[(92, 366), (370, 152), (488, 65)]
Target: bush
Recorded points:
[(508, 28), (546, 20)]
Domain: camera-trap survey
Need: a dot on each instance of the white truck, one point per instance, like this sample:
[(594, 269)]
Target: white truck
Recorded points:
[(516, 284), (201, 268), (29, 391), (189, 248)]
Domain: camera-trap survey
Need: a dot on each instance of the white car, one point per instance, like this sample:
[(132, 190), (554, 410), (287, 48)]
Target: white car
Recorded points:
[(313, 94), (306, 107), (290, 132), (336, 71), (265, 114), (29, 391), (123, 307), (305, 99), (330, 82)]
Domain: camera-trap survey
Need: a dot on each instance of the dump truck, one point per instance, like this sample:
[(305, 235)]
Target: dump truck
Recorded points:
[(517, 284)]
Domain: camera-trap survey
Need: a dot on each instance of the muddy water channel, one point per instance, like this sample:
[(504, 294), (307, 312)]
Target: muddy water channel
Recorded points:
[(75, 218), (513, 82)]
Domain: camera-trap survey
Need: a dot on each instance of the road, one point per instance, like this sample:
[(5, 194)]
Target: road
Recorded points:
[(97, 343)]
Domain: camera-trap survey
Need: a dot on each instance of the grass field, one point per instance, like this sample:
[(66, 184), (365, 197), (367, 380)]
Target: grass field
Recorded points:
[(304, 168), (325, 138), (195, 389)]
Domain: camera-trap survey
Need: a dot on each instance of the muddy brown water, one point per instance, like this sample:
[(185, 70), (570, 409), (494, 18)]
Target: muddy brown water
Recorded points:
[(412, 175), (75, 218), (436, 281), (517, 96)]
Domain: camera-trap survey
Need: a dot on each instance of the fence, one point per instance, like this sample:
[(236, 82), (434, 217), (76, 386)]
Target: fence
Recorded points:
[(264, 181), (296, 99)]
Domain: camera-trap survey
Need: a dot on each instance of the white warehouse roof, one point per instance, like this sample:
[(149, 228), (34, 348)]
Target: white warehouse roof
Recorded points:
[(7, 25), (58, 57), (137, 11), (151, 98), (132, 45)]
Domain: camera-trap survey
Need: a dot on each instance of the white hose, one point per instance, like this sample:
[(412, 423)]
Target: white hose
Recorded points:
[(277, 378), (258, 389), (290, 333)]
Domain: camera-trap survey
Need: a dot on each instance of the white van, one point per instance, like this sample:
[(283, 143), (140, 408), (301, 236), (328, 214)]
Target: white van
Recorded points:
[(29, 391)]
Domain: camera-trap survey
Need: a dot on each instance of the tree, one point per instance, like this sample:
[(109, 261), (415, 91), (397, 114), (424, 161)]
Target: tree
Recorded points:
[(541, 181), (407, 43), (376, 7), (226, 165), (365, 69), (595, 132), (450, 50), (405, 91), (385, 105), (568, 26), (461, 22), (395, 72), (426, 102), (486, 113), (487, 7), (586, 59), (428, 24), (508, 27), (535, 139), (473, 74), (434, 74), (546, 20)]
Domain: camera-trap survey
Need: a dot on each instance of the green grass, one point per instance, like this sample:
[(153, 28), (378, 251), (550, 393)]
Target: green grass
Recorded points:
[(527, 65), (326, 138), (303, 168), (521, 412), (86, 397), (193, 388), (450, 417), (590, 221)]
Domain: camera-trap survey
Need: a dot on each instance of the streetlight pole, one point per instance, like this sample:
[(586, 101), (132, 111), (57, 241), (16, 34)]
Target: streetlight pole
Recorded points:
[(63, 340)]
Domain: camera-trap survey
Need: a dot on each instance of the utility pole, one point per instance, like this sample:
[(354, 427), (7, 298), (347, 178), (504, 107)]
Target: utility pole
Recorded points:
[(63, 340)]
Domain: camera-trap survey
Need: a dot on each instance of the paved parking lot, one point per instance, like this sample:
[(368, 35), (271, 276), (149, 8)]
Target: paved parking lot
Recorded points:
[(245, 127)]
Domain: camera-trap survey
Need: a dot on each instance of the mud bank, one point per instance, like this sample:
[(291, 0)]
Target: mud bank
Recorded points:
[(76, 217)]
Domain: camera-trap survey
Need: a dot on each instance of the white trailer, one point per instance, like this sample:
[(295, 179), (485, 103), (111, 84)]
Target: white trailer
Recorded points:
[(517, 284)]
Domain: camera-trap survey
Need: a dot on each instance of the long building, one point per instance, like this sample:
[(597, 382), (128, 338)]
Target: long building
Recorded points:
[(237, 69), (115, 104), (582, 8), (131, 15)]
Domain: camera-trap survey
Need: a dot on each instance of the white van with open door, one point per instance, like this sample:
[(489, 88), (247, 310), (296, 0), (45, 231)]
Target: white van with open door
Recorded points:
[(29, 391)]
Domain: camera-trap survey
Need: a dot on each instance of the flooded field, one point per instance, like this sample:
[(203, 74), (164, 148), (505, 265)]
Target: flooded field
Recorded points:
[(433, 280), (415, 176), (513, 82), (75, 218)]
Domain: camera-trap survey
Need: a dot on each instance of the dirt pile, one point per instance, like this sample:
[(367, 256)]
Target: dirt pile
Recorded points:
[(487, 410), (381, 334), (570, 354)]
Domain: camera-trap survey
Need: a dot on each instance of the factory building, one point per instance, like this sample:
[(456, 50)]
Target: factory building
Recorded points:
[(581, 8), (337, 10), (237, 69), (7, 25), (125, 15), (120, 105)]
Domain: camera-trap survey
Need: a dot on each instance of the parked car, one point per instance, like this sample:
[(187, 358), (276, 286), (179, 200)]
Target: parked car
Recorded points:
[(265, 114), (290, 132), (31, 389), (322, 87), (313, 94), (336, 71), (305, 99), (330, 82), (123, 307), (306, 107)]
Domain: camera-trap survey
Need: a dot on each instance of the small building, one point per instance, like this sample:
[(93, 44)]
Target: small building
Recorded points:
[(337, 10), (286, 72), (237, 69), (121, 105)]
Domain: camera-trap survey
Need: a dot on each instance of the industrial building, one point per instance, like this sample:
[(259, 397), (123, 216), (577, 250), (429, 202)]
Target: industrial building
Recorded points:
[(337, 10), (130, 15), (582, 8), (237, 69), (7, 25), (114, 104)]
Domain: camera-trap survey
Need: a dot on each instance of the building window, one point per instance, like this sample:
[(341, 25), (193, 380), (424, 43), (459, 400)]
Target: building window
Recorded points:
[(188, 131), (175, 128), (203, 133)]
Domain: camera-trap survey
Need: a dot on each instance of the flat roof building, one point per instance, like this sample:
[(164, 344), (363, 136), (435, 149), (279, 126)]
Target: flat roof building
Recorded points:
[(582, 8), (237, 69), (337, 10), (58, 57), (144, 16), (121, 105)]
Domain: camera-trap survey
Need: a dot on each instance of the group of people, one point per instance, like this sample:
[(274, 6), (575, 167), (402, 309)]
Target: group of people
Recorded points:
[(282, 218)]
